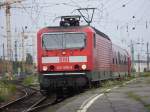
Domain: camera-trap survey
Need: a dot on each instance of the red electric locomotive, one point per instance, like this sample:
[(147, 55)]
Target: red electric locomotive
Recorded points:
[(74, 56)]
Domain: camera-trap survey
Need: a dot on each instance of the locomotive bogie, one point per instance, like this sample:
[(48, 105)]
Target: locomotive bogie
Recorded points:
[(51, 82)]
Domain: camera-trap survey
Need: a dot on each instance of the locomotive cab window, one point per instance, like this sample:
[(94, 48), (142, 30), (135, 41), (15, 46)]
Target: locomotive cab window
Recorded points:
[(51, 41), (63, 41), (74, 40)]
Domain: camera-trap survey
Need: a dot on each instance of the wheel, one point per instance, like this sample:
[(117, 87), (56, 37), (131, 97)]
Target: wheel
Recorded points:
[(59, 92), (43, 91)]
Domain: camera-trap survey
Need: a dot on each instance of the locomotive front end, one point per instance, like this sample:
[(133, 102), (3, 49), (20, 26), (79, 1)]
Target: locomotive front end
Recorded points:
[(64, 56), (63, 51)]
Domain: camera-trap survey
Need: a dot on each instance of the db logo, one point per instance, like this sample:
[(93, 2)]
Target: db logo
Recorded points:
[(63, 59)]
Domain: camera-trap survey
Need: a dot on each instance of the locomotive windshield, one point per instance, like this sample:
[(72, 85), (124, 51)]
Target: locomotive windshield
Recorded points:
[(63, 40)]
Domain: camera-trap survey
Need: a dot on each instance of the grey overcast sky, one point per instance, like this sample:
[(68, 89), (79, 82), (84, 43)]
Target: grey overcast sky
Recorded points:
[(121, 20)]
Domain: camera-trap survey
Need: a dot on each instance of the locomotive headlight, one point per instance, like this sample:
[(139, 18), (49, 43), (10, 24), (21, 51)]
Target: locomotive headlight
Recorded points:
[(83, 67), (45, 68)]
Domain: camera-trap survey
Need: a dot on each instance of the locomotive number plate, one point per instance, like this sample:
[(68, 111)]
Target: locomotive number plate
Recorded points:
[(64, 68)]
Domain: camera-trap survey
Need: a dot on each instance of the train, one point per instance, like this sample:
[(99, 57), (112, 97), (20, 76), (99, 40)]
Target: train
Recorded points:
[(73, 56)]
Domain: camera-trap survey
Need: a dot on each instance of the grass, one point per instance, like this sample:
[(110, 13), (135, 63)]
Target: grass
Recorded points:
[(30, 80), (134, 96), (145, 74), (139, 99), (112, 83), (6, 90), (107, 84)]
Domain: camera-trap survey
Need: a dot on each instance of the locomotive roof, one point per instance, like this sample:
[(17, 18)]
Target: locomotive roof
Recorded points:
[(101, 33), (96, 30)]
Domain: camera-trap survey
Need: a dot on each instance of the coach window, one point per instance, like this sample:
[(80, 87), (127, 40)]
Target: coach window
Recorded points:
[(116, 60), (94, 40), (119, 58), (113, 60), (122, 59), (125, 62)]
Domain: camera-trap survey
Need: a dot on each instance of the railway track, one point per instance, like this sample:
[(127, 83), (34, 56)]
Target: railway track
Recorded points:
[(31, 101), (17, 105), (41, 104)]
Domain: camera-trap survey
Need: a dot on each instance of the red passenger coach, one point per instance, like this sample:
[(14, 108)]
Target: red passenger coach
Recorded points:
[(73, 56), (121, 62)]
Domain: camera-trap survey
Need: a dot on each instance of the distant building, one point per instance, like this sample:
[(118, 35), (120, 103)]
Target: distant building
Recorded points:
[(140, 65)]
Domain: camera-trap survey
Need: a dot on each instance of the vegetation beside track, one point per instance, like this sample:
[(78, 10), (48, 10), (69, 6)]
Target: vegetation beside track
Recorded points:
[(145, 74), (131, 94), (31, 80), (119, 82), (6, 90)]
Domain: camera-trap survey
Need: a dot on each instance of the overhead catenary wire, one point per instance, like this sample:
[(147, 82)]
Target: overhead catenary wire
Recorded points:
[(107, 4), (31, 18)]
